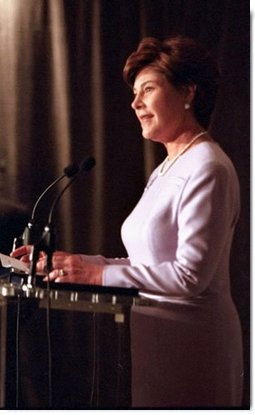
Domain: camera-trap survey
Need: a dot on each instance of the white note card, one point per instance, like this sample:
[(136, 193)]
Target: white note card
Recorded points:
[(9, 262)]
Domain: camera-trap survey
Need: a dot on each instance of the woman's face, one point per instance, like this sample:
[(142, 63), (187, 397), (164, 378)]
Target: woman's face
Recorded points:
[(159, 106)]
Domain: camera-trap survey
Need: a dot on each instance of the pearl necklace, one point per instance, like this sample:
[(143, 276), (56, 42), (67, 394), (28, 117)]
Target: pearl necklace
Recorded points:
[(163, 168)]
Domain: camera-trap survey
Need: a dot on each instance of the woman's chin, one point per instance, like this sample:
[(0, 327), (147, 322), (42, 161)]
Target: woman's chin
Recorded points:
[(147, 135)]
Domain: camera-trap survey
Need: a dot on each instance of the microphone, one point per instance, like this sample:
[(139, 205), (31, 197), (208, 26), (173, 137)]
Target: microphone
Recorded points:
[(85, 167), (28, 236), (47, 241)]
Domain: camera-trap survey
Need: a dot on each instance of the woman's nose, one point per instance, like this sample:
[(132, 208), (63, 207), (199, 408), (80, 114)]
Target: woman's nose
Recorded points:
[(137, 102)]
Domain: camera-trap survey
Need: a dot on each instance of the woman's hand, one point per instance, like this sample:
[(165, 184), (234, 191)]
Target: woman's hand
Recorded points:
[(73, 269), (23, 253), (66, 267)]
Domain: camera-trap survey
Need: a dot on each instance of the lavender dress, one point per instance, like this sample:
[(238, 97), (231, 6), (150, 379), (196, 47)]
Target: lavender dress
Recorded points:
[(186, 345)]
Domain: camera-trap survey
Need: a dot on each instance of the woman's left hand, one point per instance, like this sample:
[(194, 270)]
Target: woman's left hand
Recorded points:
[(72, 268)]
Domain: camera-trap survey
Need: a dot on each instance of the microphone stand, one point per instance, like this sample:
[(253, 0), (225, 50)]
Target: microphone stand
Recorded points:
[(29, 235), (47, 242), (47, 245)]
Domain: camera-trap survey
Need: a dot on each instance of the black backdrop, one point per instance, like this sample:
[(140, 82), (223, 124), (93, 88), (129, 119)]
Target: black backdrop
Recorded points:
[(62, 97)]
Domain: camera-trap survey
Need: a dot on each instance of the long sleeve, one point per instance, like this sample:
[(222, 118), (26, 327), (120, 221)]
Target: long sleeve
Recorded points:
[(102, 260), (202, 212)]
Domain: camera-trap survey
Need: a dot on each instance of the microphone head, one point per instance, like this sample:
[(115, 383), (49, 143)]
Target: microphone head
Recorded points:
[(87, 164), (71, 170)]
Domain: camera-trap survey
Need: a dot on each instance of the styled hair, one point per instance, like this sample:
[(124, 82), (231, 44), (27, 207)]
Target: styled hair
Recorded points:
[(184, 61)]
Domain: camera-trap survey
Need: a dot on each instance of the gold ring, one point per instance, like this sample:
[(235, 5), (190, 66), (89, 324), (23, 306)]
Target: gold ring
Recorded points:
[(61, 272)]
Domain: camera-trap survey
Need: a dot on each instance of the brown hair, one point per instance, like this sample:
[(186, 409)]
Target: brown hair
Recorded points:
[(184, 62)]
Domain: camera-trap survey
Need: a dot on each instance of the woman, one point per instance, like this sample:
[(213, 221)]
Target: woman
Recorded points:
[(186, 344)]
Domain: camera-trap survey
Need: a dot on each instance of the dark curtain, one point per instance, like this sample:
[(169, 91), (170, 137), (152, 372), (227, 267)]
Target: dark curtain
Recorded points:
[(62, 98)]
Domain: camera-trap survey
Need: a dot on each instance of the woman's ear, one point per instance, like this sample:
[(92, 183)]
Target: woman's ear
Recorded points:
[(189, 93)]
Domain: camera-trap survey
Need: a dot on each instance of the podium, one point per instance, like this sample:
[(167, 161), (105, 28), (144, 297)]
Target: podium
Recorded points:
[(65, 346)]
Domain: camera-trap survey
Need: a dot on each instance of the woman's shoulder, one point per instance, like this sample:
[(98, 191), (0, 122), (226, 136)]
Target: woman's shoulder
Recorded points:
[(207, 154), (206, 158)]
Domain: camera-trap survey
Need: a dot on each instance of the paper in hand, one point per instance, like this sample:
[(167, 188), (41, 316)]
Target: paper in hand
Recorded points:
[(9, 262)]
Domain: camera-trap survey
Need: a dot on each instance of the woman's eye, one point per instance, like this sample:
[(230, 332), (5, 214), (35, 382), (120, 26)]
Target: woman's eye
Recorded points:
[(148, 89)]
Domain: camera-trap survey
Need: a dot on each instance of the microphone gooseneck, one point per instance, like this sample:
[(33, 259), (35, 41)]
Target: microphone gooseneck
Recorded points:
[(47, 241), (85, 167), (28, 236), (69, 172)]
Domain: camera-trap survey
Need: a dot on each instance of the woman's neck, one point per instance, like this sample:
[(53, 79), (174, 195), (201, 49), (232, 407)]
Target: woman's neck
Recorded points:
[(184, 140)]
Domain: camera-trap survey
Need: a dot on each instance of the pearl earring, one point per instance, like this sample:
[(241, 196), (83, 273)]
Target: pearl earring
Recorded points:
[(187, 106)]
